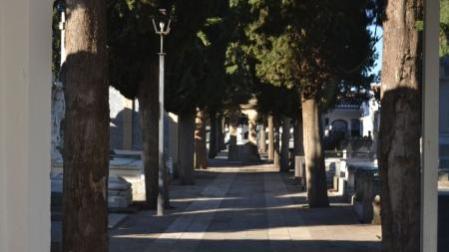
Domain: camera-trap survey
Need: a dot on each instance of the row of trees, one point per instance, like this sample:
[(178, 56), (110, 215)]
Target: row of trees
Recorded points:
[(296, 57), (113, 44), (311, 53)]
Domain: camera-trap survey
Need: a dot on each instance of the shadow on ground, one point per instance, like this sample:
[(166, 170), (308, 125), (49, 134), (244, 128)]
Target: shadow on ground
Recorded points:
[(246, 245)]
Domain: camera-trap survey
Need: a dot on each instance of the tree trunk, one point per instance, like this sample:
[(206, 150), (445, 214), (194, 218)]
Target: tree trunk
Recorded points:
[(213, 135), (220, 133), (299, 147), (252, 128), (270, 138), (233, 125), (400, 130), (200, 140), (299, 139), (313, 153), (286, 125), (186, 147), (263, 139), (149, 122), (276, 146), (86, 138)]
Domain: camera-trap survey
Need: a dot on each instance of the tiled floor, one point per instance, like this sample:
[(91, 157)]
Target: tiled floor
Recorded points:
[(244, 208)]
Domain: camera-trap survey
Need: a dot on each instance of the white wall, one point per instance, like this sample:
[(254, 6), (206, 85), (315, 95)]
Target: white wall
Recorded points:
[(117, 102), (25, 79), (341, 114)]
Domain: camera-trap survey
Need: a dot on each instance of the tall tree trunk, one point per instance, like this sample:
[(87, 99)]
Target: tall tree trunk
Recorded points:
[(149, 122), (263, 139), (400, 130), (252, 128), (313, 153), (270, 138), (213, 135), (220, 133), (276, 145), (186, 147), (286, 125), (86, 138), (233, 125), (200, 140), (251, 150), (299, 138), (299, 146)]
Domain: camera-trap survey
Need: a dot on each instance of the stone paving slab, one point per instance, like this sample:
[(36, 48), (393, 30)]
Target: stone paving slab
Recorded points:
[(115, 219), (248, 208)]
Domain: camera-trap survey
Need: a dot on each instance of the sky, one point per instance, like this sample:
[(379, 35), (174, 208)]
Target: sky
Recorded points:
[(379, 33)]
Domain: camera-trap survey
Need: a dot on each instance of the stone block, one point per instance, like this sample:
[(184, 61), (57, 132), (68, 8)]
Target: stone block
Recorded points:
[(376, 211), (300, 167), (366, 186), (120, 194), (244, 153), (300, 171)]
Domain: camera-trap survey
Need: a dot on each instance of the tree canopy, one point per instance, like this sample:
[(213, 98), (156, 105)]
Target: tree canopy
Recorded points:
[(444, 25), (195, 49), (314, 47)]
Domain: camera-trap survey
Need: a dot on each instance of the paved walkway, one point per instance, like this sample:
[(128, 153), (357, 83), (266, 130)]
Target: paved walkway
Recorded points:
[(246, 208)]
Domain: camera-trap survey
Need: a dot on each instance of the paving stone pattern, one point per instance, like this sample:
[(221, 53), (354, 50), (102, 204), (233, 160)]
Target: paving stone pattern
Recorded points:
[(244, 208)]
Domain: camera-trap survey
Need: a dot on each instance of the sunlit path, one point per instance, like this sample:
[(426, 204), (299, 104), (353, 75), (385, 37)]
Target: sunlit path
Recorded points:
[(244, 208)]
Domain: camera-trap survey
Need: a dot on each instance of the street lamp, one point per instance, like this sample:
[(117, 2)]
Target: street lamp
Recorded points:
[(162, 28)]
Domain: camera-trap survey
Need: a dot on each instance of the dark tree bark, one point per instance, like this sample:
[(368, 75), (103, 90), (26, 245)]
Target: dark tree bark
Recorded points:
[(263, 139), (286, 125), (298, 137), (200, 140), (276, 145), (400, 130), (270, 138), (86, 138), (213, 135), (299, 145), (220, 133), (149, 122), (186, 147), (233, 125), (313, 153)]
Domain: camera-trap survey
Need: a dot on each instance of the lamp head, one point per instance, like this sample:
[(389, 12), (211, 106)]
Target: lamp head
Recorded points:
[(164, 21)]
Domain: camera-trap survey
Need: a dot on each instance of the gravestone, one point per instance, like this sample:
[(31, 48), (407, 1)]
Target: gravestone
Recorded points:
[(119, 193)]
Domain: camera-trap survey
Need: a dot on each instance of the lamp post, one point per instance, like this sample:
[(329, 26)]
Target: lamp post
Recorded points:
[(162, 29)]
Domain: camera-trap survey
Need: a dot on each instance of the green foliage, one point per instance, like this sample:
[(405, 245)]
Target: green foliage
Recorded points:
[(444, 26), (132, 44), (278, 100), (313, 46), (240, 67), (319, 48), (275, 62), (223, 52), (195, 49), (196, 72)]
